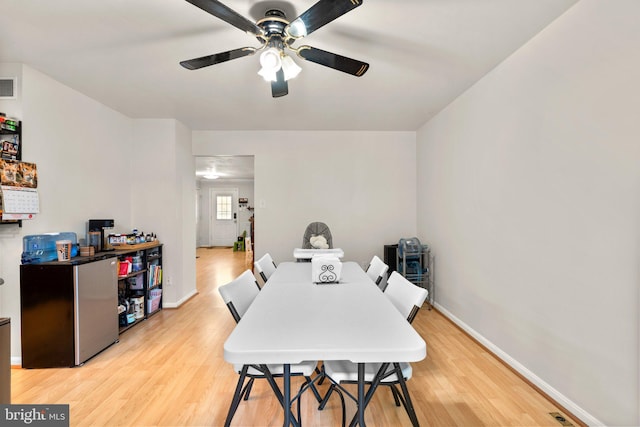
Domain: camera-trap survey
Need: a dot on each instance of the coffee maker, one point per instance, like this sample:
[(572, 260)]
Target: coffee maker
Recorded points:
[(96, 234)]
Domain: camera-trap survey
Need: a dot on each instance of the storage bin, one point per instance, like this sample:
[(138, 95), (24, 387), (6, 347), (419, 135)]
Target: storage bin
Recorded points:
[(136, 282), (153, 304)]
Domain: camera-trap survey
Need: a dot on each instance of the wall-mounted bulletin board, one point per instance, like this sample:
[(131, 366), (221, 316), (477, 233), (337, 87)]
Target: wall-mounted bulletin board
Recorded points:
[(18, 179)]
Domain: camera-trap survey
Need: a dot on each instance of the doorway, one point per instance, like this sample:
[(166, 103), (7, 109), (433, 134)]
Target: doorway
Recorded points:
[(224, 216), (224, 175)]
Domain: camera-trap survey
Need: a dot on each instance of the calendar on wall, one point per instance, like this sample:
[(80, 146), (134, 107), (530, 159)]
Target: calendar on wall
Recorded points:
[(19, 193)]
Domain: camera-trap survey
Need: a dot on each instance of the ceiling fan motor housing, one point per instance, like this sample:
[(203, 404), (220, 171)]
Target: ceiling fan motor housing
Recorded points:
[(273, 25)]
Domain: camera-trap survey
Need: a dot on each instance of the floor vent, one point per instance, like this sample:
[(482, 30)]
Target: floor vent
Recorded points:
[(7, 88), (560, 418)]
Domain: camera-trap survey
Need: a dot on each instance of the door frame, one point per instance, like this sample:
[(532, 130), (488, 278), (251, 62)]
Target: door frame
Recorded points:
[(213, 192)]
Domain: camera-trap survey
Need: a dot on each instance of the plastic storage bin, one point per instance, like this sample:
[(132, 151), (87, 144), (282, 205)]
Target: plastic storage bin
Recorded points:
[(153, 303)]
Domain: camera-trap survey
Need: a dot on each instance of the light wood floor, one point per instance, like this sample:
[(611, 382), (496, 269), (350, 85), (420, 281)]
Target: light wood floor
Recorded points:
[(169, 371)]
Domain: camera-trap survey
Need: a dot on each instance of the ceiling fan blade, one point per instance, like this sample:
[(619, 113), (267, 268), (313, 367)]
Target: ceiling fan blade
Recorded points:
[(228, 15), (279, 87), (205, 61), (320, 14), (332, 60)]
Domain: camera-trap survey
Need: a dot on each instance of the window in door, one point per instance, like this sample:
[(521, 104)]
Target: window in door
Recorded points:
[(224, 207)]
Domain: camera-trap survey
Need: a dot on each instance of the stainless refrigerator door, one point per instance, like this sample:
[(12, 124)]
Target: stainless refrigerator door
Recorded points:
[(96, 307)]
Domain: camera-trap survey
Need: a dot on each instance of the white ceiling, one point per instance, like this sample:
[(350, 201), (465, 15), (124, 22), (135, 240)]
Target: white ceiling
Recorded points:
[(226, 168), (125, 54)]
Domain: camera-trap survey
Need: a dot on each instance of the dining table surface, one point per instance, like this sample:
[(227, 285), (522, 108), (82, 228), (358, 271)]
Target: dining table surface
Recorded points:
[(293, 320)]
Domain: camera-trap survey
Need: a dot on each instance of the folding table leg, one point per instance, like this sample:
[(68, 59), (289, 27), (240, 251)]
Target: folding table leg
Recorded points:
[(407, 399), (372, 388), (236, 396), (361, 397), (285, 401), (287, 394)]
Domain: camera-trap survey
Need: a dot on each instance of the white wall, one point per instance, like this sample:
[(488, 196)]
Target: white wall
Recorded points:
[(529, 193), (94, 162), (184, 279), (9, 233), (163, 200), (77, 145), (361, 184)]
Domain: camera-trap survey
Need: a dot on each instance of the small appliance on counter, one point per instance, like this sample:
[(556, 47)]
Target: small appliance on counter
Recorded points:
[(96, 234)]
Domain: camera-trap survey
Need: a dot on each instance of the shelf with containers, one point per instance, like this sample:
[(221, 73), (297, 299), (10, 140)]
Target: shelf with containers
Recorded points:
[(415, 262), (11, 137), (139, 283), (10, 149)]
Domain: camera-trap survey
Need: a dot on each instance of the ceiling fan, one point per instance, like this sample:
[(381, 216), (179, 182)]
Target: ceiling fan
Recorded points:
[(277, 35)]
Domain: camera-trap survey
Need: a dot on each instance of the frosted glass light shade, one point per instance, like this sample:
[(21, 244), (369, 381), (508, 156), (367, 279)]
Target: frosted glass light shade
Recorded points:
[(271, 62), (289, 67)]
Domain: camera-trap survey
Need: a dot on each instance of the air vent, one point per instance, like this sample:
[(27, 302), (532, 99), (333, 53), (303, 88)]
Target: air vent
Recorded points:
[(561, 419), (7, 87)]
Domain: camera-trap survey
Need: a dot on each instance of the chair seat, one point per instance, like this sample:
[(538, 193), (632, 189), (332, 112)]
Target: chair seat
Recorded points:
[(306, 368), (346, 371)]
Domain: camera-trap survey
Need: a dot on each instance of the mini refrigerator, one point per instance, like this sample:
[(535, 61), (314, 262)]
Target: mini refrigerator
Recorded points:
[(69, 311), (5, 361)]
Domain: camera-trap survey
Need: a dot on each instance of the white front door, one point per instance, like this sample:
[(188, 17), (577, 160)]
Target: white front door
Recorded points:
[(224, 211)]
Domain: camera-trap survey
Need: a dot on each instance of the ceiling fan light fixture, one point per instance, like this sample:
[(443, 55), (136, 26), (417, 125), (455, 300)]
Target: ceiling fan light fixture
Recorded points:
[(211, 176), (268, 75), (271, 62), (297, 29), (289, 67), (276, 34)]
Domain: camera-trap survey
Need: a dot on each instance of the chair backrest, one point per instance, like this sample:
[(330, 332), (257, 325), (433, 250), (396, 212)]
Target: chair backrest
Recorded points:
[(240, 293), (405, 296), (265, 266), (316, 229), (377, 271)]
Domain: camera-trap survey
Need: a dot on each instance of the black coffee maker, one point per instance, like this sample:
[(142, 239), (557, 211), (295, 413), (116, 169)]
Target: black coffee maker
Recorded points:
[(96, 234)]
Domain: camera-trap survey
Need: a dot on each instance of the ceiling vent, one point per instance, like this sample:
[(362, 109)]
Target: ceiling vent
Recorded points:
[(8, 88)]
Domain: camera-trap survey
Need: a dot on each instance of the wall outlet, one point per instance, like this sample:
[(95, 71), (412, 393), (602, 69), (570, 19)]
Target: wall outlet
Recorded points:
[(169, 281)]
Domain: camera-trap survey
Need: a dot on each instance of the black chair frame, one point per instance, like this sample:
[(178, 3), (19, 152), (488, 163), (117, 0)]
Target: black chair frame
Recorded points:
[(264, 276)]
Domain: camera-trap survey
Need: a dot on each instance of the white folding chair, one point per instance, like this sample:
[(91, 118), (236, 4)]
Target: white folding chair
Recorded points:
[(265, 267), (238, 296), (407, 298), (377, 271)]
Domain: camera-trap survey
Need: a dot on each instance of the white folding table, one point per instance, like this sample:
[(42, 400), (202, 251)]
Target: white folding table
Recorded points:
[(293, 320)]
